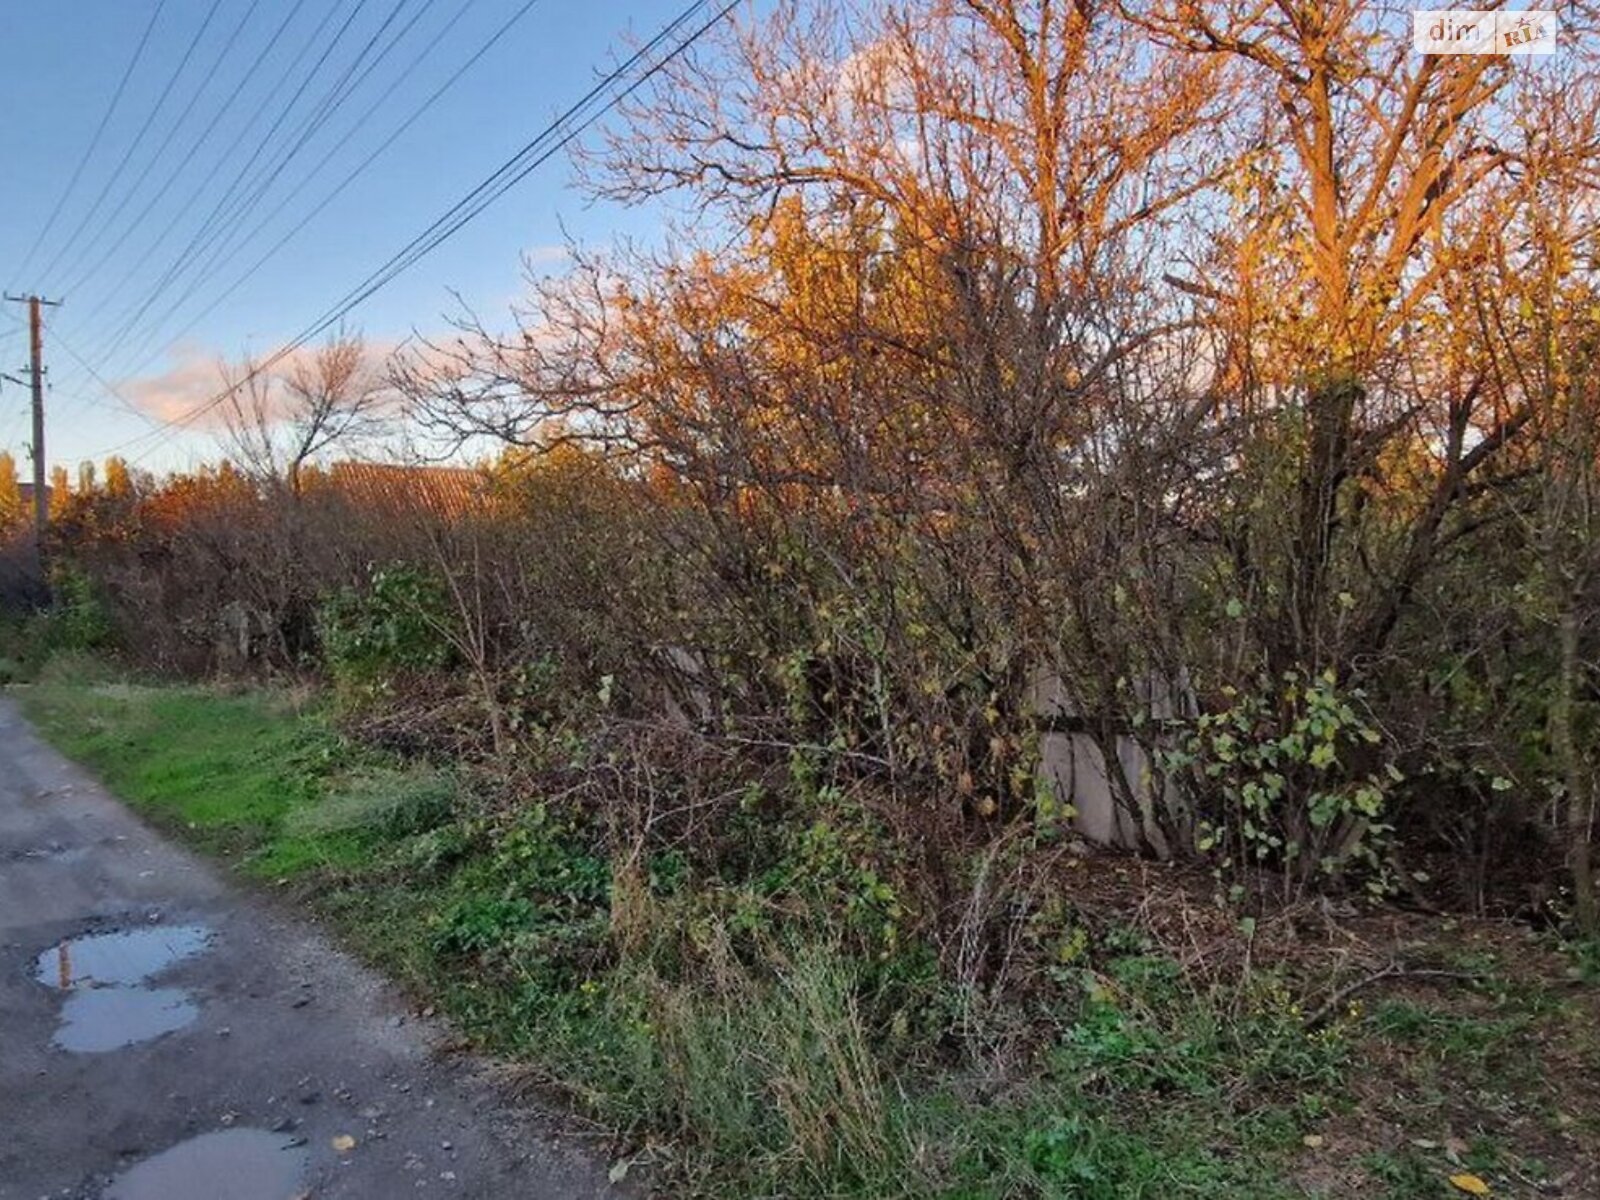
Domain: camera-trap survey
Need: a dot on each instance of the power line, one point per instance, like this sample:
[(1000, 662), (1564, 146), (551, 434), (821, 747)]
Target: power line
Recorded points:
[(99, 131), (547, 143), (71, 270), (529, 158), (218, 210), (224, 244), (312, 123), (110, 389), (122, 163), (16, 428), (194, 149), (54, 389), (82, 268), (338, 189)]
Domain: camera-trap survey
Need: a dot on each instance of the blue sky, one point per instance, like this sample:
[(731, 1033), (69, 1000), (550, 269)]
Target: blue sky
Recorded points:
[(63, 62)]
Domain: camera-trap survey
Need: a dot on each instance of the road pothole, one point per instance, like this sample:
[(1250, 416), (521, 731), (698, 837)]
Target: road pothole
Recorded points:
[(109, 1018), (107, 1006), (241, 1164), (125, 957)]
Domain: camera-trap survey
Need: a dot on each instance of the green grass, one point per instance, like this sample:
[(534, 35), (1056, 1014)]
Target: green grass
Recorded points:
[(247, 775), (773, 1059)]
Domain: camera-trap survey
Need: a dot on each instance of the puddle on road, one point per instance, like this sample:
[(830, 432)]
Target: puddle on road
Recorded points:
[(109, 1018), (240, 1164), (101, 959), (106, 1008)]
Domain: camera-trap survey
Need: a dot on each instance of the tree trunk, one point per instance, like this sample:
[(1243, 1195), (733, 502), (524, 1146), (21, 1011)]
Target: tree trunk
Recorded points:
[(1574, 775)]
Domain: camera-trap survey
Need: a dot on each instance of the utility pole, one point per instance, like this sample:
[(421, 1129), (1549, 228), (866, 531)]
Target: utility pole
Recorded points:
[(41, 507)]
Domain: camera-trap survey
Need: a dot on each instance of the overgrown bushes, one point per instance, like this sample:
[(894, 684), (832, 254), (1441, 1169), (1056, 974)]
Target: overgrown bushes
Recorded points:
[(1135, 434), (1185, 411), (691, 672), (747, 997)]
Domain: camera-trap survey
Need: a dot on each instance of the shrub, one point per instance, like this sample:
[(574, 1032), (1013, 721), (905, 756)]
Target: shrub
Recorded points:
[(399, 622), (1291, 775), (78, 620)]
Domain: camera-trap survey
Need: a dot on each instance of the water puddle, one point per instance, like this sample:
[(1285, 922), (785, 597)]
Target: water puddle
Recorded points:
[(109, 1018), (102, 959), (240, 1164), (107, 1007)]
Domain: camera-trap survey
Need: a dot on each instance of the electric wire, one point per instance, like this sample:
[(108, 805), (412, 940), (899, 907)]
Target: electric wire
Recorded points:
[(138, 138), (229, 238), (110, 388), (190, 155), (302, 53), (222, 206), (554, 137), (72, 270), (360, 168), (94, 141), (195, 193)]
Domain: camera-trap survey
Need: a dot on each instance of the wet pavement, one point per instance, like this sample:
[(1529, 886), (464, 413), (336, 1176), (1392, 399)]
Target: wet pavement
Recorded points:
[(166, 1037)]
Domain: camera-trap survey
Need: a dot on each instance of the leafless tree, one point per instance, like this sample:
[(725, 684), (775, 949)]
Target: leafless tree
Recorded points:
[(278, 423)]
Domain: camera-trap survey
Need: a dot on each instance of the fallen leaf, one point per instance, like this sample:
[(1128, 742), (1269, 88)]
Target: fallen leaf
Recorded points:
[(619, 1170), (1470, 1184), (1311, 1141), (344, 1142)]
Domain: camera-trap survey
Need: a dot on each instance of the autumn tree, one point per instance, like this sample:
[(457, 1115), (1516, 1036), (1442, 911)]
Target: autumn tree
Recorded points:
[(60, 492), (1130, 345), (11, 506), (119, 484), (1364, 201), (1538, 309)]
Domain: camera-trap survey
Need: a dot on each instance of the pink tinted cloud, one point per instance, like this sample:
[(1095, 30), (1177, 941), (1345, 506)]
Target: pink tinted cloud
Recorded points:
[(193, 378)]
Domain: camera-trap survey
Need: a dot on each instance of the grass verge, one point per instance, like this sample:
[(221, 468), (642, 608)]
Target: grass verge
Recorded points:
[(756, 1056)]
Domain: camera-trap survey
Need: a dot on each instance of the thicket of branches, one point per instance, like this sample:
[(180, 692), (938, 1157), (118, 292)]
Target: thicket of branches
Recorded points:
[(1226, 367)]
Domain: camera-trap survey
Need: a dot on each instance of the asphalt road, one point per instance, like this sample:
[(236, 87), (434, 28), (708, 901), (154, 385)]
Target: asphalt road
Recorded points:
[(164, 1036)]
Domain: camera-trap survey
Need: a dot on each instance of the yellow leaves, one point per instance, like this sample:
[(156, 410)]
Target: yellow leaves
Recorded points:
[(1469, 1184), (1071, 948), (343, 1143)]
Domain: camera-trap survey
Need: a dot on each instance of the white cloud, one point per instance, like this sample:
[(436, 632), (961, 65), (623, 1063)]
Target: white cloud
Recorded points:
[(193, 378)]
